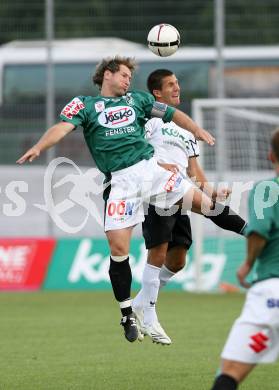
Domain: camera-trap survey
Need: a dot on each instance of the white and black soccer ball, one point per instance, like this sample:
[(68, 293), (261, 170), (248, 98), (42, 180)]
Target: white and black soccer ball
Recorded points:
[(163, 40)]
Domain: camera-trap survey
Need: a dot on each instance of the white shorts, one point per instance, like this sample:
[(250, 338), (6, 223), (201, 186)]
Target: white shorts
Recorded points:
[(144, 182), (254, 337)]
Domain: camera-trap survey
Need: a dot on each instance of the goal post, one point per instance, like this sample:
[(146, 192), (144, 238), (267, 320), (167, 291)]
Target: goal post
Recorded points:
[(242, 129)]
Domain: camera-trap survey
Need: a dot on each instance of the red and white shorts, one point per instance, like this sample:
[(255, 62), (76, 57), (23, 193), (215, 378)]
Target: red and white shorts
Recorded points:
[(144, 182), (254, 337)]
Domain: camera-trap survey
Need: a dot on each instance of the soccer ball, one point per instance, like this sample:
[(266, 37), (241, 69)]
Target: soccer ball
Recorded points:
[(163, 40)]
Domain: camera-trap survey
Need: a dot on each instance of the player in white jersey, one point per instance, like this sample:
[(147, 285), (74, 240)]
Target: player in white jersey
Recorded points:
[(171, 143), (168, 237)]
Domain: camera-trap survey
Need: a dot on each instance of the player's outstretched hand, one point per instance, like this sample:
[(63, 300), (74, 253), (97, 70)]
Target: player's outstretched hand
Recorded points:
[(204, 135), (30, 155), (242, 272)]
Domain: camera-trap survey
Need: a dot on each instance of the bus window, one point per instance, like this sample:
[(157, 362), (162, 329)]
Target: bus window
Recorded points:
[(23, 83), (27, 83)]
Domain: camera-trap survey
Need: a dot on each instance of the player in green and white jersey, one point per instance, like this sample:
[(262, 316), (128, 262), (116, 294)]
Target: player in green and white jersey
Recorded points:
[(113, 127), (254, 337)]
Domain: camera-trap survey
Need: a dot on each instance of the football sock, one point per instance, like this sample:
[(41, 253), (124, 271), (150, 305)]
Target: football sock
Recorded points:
[(138, 300), (165, 275), (227, 219), (224, 382), (150, 289), (121, 280)]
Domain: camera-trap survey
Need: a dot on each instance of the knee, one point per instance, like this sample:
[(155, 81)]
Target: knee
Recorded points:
[(177, 265), (180, 265), (176, 259), (117, 248), (119, 241), (156, 257)]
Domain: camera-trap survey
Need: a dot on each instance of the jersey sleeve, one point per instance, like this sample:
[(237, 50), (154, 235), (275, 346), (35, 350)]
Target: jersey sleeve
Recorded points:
[(194, 149), (153, 108), (260, 216), (74, 112)]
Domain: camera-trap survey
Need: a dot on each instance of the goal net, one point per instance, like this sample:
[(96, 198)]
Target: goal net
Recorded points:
[(242, 129)]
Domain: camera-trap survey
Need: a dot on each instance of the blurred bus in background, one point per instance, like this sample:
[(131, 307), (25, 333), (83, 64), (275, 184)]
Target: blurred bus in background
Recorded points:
[(249, 72)]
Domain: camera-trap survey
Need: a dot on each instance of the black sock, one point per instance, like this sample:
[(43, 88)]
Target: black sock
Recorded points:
[(227, 219), (224, 382), (121, 280)]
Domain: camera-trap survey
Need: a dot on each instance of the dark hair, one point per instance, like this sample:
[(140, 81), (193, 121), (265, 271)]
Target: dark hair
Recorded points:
[(155, 79), (113, 65), (275, 143)]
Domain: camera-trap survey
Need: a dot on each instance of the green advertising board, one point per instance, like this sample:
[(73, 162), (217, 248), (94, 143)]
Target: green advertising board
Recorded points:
[(82, 264)]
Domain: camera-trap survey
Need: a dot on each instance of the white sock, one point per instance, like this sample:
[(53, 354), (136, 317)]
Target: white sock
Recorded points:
[(165, 275), (138, 300), (150, 289)]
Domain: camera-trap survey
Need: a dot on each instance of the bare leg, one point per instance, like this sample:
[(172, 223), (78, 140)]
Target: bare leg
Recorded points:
[(119, 241), (197, 201), (232, 373), (236, 370)]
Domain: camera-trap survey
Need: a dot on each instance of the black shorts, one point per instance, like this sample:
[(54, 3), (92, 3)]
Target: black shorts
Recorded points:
[(174, 229)]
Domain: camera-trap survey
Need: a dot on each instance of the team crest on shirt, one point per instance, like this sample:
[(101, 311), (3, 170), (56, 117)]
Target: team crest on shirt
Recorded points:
[(100, 106), (129, 99)]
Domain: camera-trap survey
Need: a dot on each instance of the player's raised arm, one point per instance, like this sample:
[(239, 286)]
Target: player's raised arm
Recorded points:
[(187, 123), (51, 137)]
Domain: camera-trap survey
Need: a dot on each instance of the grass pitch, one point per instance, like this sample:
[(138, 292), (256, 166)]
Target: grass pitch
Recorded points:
[(73, 341)]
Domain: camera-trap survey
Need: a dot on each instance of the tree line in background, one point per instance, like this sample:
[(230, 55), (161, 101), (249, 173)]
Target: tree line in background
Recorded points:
[(247, 21)]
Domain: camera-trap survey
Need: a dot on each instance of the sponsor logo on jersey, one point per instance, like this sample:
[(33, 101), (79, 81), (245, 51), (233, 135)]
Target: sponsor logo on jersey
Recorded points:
[(73, 108), (114, 117), (175, 133), (120, 208), (100, 106), (124, 130), (259, 342), (173, 182), (272, 303)]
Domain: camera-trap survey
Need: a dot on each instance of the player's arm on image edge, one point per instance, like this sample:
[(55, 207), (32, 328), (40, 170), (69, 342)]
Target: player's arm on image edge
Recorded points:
[(257, 235), (255, 245)]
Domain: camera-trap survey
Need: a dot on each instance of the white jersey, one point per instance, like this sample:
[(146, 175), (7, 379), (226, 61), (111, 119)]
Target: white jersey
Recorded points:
[(171, 143)]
